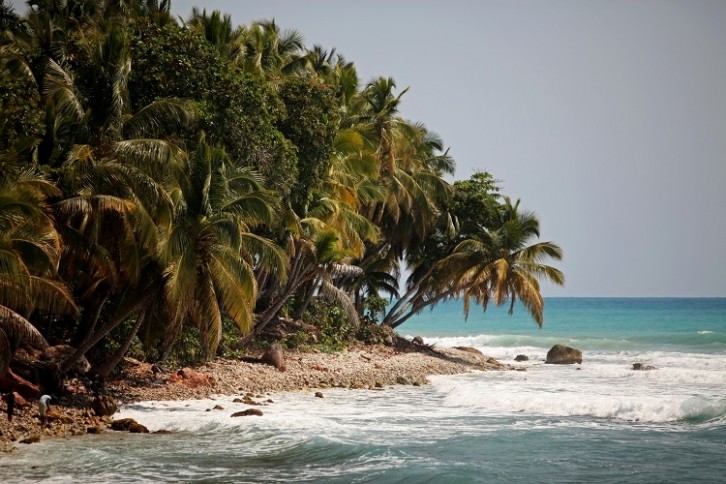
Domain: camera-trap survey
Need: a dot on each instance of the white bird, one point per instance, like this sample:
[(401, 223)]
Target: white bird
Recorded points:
[(43, 407)]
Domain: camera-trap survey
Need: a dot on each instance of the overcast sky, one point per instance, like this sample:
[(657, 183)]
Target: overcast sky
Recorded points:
[(607, 118)]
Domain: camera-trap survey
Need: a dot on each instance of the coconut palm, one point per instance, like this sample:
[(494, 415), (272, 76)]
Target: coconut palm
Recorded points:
[(29, 253), (494, 264), (208, 252)]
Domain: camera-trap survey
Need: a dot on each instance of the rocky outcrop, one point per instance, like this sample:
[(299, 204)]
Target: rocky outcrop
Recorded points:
[(521, 358), (273, 356), (104, 406), (129, 425), (642, 367), (248, 412), (563, 355)]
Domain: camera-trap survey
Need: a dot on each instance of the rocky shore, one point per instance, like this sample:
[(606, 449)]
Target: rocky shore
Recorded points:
[(362, 367)]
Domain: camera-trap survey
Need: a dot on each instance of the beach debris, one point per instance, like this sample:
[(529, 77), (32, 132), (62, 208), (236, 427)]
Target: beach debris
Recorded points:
[(563, 355), (521, 358), (104, 406), (417, 340), (643, 367), (248, 412)]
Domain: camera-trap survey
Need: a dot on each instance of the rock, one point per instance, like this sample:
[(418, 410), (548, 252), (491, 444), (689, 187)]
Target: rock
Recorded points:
[(319, 394), (273, 356), (218, 407), (129, 425), (521, 358), (162, 432), (95, 429), (563, 355), (194, 379), (417, 340), (33, 439), (59, 353), (402, 380), (104, 406), (138, 429), (248, 412), (642, 367)]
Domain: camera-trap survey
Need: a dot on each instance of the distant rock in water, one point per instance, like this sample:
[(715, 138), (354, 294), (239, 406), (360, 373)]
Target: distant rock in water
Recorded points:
[(521, 358), (563, 355), (129, 425), (248, 412), (642, 367)]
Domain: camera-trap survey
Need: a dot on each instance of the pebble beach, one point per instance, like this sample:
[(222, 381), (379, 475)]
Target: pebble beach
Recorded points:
[(361, 367)]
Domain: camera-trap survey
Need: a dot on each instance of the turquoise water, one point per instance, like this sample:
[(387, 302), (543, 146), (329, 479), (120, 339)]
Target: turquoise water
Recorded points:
[(596, 422)]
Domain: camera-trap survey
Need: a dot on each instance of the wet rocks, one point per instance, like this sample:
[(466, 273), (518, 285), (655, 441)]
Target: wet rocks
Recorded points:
[(642, 367), (563, 355), (521, 358), (248, 412), (129, 425)]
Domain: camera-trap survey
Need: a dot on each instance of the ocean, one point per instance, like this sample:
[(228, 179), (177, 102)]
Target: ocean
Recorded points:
[(600, 421)]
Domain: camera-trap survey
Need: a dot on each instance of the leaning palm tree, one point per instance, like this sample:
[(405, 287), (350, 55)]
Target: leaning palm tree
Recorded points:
[(501, 265), (29, 253)]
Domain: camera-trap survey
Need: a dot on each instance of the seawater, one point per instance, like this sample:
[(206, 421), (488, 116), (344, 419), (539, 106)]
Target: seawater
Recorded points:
[(596, 422)]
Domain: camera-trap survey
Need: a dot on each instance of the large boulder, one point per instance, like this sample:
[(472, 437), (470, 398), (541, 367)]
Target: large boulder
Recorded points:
[(273, 356), (104, 406), (129, 425), (248, 412), (563, 355)]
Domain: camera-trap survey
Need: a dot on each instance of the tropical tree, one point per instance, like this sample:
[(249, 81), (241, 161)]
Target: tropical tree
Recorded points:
[(208, 251), (489, 256), (29, 254)]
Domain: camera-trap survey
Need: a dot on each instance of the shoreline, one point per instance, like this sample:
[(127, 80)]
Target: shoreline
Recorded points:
[(357, 367)]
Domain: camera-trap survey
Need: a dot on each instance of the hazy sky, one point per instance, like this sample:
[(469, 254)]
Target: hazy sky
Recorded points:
[(607, 118)]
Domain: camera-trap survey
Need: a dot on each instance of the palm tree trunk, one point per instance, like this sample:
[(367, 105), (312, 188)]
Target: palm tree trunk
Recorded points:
[(107, 367)]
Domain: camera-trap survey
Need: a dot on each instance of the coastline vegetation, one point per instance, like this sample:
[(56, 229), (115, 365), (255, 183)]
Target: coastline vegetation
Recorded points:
[(180, 188)]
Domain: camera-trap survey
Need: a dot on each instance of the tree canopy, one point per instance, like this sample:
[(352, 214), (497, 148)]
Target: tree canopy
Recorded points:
[(166, 185)]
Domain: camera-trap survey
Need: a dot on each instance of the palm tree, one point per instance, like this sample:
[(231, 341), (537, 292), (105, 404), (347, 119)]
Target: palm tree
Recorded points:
[(208, 252), (494, 263), (29, 253)]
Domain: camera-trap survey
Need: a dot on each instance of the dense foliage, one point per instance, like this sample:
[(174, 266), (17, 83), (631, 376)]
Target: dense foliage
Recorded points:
[(174, 188)]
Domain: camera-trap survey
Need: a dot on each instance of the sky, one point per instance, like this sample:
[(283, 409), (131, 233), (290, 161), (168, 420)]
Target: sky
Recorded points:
[(606, 118)]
